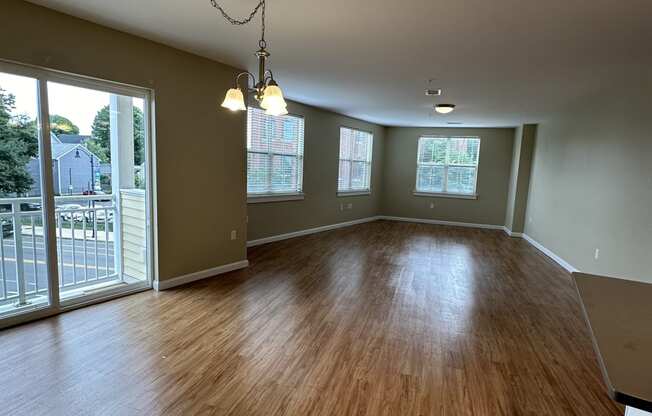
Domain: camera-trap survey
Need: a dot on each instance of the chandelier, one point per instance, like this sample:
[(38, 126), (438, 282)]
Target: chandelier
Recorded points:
[(266, 91)]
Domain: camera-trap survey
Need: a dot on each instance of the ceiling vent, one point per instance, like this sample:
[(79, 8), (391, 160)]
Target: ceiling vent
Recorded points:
[(433, 93)]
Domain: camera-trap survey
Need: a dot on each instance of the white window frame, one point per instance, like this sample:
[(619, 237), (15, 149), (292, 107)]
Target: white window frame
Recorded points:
[(446, 165), (349, 191), (270, 196)]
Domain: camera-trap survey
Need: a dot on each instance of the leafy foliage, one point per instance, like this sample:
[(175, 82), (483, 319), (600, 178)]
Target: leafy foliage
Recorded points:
[(62, 125), (18, 143), (101, 142)]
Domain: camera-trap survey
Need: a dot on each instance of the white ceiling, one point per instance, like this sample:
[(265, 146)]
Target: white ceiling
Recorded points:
[(503, 62)]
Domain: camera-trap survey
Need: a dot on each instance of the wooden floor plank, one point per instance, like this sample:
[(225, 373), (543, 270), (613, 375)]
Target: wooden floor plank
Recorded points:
[(382, 318)]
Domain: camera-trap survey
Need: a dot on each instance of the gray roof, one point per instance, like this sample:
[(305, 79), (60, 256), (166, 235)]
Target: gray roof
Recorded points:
[(73, 138), (60, 149)]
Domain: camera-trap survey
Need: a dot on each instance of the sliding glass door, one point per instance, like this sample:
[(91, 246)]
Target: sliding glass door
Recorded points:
[(75, 193), (24, 283), (99, 182)]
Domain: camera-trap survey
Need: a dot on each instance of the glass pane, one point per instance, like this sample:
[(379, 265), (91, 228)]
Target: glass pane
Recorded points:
[(362, 146), (284, 174), (430, 178), (346, 140), (463, 151), (344, 172), (98, 152), (257, 170), (359, 175), (23, 261), (432, 150), (461, 180)]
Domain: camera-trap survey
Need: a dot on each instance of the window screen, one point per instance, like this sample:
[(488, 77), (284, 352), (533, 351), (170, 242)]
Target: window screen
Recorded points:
[(355, 160), (448, 165), (274, 153)]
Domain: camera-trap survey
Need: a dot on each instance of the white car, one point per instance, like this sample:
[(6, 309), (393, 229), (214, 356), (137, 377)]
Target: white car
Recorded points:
[(69, 213)]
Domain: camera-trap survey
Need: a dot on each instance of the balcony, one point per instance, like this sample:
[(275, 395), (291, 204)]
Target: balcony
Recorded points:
[(86, 246)]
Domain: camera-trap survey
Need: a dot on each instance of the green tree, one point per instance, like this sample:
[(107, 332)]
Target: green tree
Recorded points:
[(100, 144), (62, 125), (18, 143)]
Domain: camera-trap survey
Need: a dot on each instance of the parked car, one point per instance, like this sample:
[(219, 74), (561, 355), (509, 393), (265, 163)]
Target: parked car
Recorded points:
[(99, 214), (69, 212), (7, 228)]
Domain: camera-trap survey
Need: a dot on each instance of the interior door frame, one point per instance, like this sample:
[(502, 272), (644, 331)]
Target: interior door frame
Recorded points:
[(43, 76)]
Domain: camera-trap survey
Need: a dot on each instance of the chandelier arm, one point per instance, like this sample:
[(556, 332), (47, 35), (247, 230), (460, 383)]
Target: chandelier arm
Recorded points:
[(268, 76), (249, 76)]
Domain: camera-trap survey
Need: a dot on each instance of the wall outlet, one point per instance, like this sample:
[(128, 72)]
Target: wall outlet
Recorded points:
[(597, 253), (349, 205), (234, 234), (341, 207), (432, 205)]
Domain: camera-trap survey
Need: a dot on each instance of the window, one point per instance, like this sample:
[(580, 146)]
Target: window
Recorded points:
[(448, 165), (274, 154), (355, 160)]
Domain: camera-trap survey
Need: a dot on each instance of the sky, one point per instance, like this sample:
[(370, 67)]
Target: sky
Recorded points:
[(80, 105)]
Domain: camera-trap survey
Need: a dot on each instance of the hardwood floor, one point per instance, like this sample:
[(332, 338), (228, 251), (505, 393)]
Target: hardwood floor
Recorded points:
[(381, 318)]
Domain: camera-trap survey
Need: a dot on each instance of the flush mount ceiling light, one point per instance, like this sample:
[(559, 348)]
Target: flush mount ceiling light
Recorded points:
[(266, 91), (444, 108)]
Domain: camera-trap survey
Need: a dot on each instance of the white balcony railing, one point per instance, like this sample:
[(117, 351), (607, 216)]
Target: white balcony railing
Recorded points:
[(85, 246)]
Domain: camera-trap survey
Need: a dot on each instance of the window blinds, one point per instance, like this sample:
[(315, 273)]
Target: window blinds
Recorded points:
[(274, 153), (355, 160), (448, 165)]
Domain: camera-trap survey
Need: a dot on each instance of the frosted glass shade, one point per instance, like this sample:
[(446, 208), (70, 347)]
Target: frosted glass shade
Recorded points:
[(234, 100), (273, 101), (444, 108)]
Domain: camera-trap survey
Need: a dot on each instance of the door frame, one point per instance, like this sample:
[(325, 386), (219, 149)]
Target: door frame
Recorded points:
[(43, 76)]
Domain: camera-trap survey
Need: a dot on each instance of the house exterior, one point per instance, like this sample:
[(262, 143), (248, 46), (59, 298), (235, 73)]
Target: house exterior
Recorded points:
[(75, 169)]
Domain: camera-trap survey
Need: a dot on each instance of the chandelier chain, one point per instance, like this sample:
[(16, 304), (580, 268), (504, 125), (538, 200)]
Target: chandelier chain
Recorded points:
[(240, 22)]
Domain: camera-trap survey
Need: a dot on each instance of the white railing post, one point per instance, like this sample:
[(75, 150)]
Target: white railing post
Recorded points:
[(121, 122), (18, 249)]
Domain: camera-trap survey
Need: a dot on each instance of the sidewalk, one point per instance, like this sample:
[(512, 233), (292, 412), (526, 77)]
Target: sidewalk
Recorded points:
[(66, 233)]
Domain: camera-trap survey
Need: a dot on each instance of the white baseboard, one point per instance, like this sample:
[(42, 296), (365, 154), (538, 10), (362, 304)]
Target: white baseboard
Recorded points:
[(511, 233), (300, 233), (563, 263), (203, 274), (439, 222)]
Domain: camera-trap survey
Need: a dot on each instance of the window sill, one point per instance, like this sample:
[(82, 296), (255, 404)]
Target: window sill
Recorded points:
[(445, 195), (361, 192), (264, 198)]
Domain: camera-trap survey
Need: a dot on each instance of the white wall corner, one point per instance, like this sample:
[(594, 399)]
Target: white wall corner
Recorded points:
[(203, 274), (511, 233)]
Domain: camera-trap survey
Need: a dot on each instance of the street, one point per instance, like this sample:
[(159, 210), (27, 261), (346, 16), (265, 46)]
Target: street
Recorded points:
[(73, 264)]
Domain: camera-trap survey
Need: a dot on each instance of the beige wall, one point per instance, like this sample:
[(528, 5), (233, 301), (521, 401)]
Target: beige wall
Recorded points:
[(399, 177), (200, 148), (591, 183), (321, 205)]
